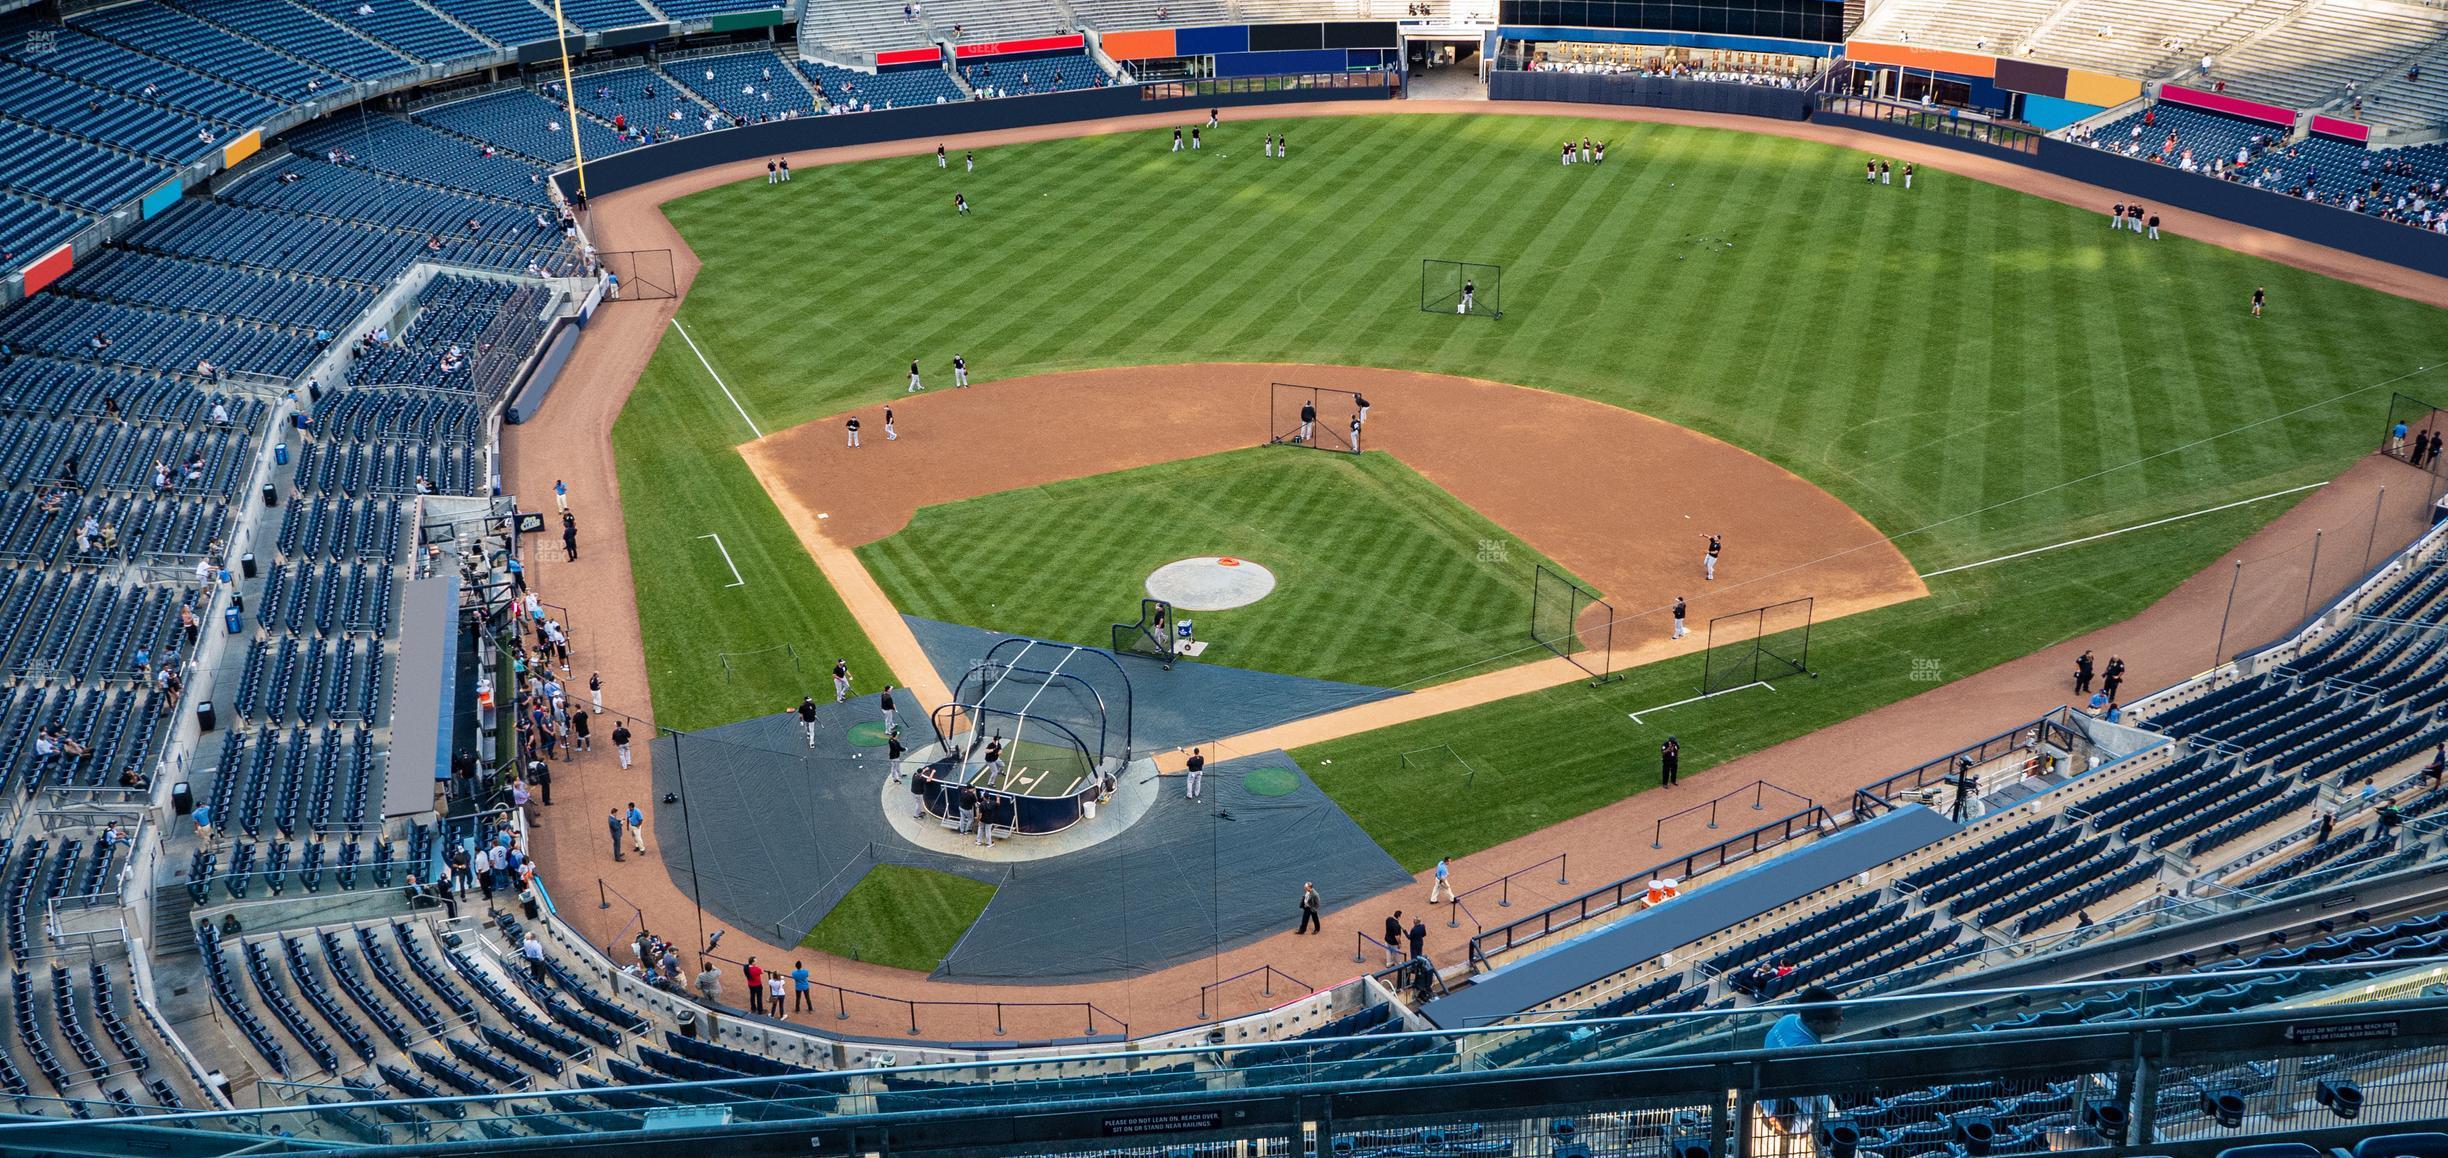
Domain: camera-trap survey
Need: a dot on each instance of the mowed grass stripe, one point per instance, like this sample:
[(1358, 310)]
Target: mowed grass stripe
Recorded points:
[(1920, 355)]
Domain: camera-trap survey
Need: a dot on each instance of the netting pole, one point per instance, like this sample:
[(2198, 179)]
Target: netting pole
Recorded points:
[(2312, 574), (2373, 540), (2220, 648)]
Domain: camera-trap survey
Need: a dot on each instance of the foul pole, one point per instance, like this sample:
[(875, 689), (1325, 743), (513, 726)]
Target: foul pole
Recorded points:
[(569, 96)]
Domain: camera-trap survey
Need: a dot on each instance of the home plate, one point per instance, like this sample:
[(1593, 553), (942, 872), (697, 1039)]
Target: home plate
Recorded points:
[(1210, 583)]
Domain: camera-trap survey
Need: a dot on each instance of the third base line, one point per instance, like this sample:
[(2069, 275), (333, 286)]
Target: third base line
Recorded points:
[(718, 382), (736, 581)]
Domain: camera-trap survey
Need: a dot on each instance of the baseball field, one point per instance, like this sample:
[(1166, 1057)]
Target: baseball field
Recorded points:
[(1974, 371)]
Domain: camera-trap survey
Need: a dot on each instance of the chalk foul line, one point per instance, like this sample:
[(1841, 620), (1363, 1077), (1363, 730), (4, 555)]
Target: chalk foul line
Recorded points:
[(2127, 530), (718, 382), (736, 581)]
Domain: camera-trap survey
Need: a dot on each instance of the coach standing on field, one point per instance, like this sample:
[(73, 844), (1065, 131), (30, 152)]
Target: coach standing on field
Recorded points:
[(1670, 762)]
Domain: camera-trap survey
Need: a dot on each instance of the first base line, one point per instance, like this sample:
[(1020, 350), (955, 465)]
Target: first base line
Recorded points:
[(2126, 530), (736, 581)]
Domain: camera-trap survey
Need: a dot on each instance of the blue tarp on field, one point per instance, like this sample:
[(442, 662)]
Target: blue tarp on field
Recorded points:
[(1191, 704)]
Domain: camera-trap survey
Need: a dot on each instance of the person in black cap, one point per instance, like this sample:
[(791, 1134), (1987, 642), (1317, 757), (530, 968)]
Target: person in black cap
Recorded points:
[(1308, 428), (807, 718), (1670, 760)]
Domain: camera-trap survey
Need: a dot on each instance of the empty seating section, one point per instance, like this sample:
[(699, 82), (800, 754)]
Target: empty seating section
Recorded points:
[(900, 88), (983, 20), (68, 327), (59, 168), (385, 144), (523, 122), (2307, 61), (403, 25), (2409, 100), (708, 9), (2148, 41), (174, 35), (307, 185), (228, 233), (1992, 26), (29, 230), (622, 93), (748, 84), (299, 32), (35, 386), (95, 114), (1037, 74), (602, 14), (130, 73), (282, 242), (512, 22), (1118, 15), (316, 528), (120, 275), (862, 28)]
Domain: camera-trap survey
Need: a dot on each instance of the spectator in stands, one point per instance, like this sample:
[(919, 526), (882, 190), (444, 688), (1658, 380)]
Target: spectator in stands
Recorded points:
[(54, 740), (1815, 1018), (533, 951)]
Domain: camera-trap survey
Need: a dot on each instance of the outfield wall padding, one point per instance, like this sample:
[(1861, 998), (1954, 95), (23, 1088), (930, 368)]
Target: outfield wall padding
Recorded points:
[(754, 144), (1210, 39), (2159, 185), (1783, 104)]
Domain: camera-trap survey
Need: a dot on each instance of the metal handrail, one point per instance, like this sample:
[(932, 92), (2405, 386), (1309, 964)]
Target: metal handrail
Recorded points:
[(1267, 975)]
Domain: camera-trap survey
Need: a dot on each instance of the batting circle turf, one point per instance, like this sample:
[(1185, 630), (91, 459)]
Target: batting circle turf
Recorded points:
[(869, 733), (1270, 781), (1975, 370)]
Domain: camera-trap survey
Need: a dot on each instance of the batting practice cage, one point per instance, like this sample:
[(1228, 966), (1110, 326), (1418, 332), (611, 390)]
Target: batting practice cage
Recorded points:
[(1442, 284), (1331, 413), (1040, 729), (1151, 636), (2419, 416), (1758, 646), (1572, 622)]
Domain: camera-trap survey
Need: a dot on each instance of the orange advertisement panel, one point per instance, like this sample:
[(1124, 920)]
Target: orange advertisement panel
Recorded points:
[(1906, 56), (1144, 44), (2099, 88), (242, 148)]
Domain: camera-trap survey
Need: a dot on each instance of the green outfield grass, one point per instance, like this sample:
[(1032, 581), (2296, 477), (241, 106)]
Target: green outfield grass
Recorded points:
[(908, 918), (1444, 588), (1973, 369)]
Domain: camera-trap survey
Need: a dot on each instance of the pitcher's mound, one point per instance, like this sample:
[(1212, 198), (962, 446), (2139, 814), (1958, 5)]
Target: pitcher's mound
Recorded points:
[(1210, 583)]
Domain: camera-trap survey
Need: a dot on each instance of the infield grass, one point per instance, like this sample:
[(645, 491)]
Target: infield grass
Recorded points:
[(907, 918), (1975, 370), (1442, 587)]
